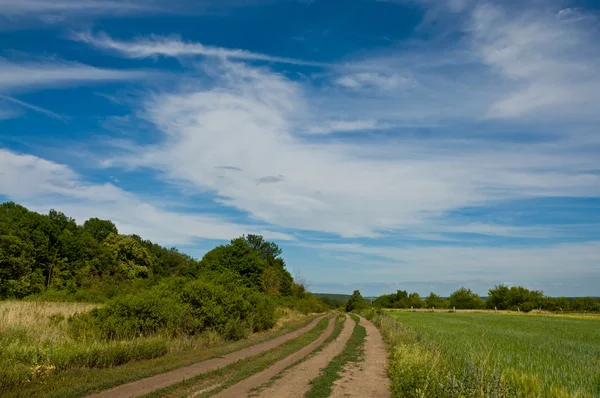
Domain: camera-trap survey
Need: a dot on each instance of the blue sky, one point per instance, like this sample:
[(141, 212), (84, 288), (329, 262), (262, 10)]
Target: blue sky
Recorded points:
[(412, 144)]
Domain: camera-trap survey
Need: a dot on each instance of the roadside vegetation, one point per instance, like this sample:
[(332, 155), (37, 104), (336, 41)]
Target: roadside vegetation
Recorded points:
[(124, 298), (487, 355)]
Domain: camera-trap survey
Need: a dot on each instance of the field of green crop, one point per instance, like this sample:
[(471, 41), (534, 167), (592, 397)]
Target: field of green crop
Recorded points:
[(561, 353)]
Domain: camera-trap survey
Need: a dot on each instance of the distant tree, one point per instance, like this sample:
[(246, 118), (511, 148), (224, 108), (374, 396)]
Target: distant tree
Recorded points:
[(356, 302), (498, 297), (433, 300), (464, 298), (562, 303), (414, 300), (100, 229)]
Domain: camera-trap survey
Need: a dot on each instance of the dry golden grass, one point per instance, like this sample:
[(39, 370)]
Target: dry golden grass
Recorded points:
[(35, 317), (286, 315)]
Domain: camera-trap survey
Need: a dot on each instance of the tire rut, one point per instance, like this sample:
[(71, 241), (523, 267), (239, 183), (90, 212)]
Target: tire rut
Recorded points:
[(162, 380), (242, 388), (296, 381), (368, 378)]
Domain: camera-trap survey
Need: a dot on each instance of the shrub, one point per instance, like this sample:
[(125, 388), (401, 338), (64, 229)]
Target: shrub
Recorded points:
[(180, 308)]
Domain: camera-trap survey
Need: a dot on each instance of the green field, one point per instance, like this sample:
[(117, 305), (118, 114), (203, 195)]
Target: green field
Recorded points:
[(561, 353)]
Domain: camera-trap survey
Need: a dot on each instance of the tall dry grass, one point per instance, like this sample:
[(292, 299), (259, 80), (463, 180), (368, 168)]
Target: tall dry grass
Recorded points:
[(42, 320)]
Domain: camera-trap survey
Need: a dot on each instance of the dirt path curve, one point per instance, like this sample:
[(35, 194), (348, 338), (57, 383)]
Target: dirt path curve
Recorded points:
[(162, 380), (296, 381), (366, 379), (242, 388)]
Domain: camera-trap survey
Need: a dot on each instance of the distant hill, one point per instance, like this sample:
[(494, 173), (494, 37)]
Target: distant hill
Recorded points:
[(333, 300)]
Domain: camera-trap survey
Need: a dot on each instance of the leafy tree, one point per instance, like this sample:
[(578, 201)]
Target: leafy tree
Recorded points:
[(498, 297), (433, 300), (129, 259), (356, 302), (414, 300), (100, 229), (464, 298)]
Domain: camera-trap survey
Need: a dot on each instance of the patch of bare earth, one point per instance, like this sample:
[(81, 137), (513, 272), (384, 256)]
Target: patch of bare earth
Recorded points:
[(296, 381), (243, 388), (150, 384), (366, 379)]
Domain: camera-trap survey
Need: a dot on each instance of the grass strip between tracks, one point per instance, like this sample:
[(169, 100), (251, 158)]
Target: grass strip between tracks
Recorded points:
[(213, 382), (339, 325), (322, 386)]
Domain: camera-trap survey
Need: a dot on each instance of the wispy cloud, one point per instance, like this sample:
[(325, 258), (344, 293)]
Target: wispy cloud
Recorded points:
[(42, 185), (348, 126), (29, 75), (358, 189), (33, 7), (175, 47), (380, 81), (34, 108)]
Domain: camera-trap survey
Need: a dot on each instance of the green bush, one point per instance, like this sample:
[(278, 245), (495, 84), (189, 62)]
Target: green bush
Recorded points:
[(177, 308)]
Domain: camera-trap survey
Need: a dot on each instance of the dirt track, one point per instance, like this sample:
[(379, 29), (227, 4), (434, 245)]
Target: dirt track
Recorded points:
[(368, 378), (163, 380), (296, 381), (242, 388)]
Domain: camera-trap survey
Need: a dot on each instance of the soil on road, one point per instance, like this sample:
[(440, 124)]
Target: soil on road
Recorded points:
[(296, 381), (242, 388), (368, 378)]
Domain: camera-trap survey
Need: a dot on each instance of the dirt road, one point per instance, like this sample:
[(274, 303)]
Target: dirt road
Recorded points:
[(150, 384), (368, 378), (296, 381), (242, 388)]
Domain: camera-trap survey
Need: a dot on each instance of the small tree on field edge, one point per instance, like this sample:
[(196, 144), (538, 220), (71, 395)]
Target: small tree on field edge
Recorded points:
[(356, 302)]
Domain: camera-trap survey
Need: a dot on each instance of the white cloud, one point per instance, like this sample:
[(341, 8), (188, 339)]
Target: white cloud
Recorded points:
[(31, 107), (550, 63), (48, 74), (419, 263), (374, 80), (253, 119), (175, 47), (32, 7), (41, 185), (347, 126)]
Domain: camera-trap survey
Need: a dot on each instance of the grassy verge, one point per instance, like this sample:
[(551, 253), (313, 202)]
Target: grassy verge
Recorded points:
[(80, 381), (468, 355), (339, 325), (213, 382), (321, 387)]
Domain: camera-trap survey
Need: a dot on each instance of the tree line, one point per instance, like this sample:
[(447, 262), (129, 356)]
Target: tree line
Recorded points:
[(51, 255), (500, 297)]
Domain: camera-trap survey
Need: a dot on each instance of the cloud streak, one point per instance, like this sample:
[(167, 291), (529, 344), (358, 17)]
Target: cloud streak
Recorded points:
[(174, 47), (28, 75), (42, 185)]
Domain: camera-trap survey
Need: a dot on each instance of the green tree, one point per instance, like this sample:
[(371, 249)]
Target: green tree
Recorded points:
[(433, 300), (414, 300), (464, 298), (356, 302), (498, 297), (100, 229), (129, 259)]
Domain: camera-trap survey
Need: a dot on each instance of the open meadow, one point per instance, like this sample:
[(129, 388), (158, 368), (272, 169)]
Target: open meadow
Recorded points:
[(542, 355)]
